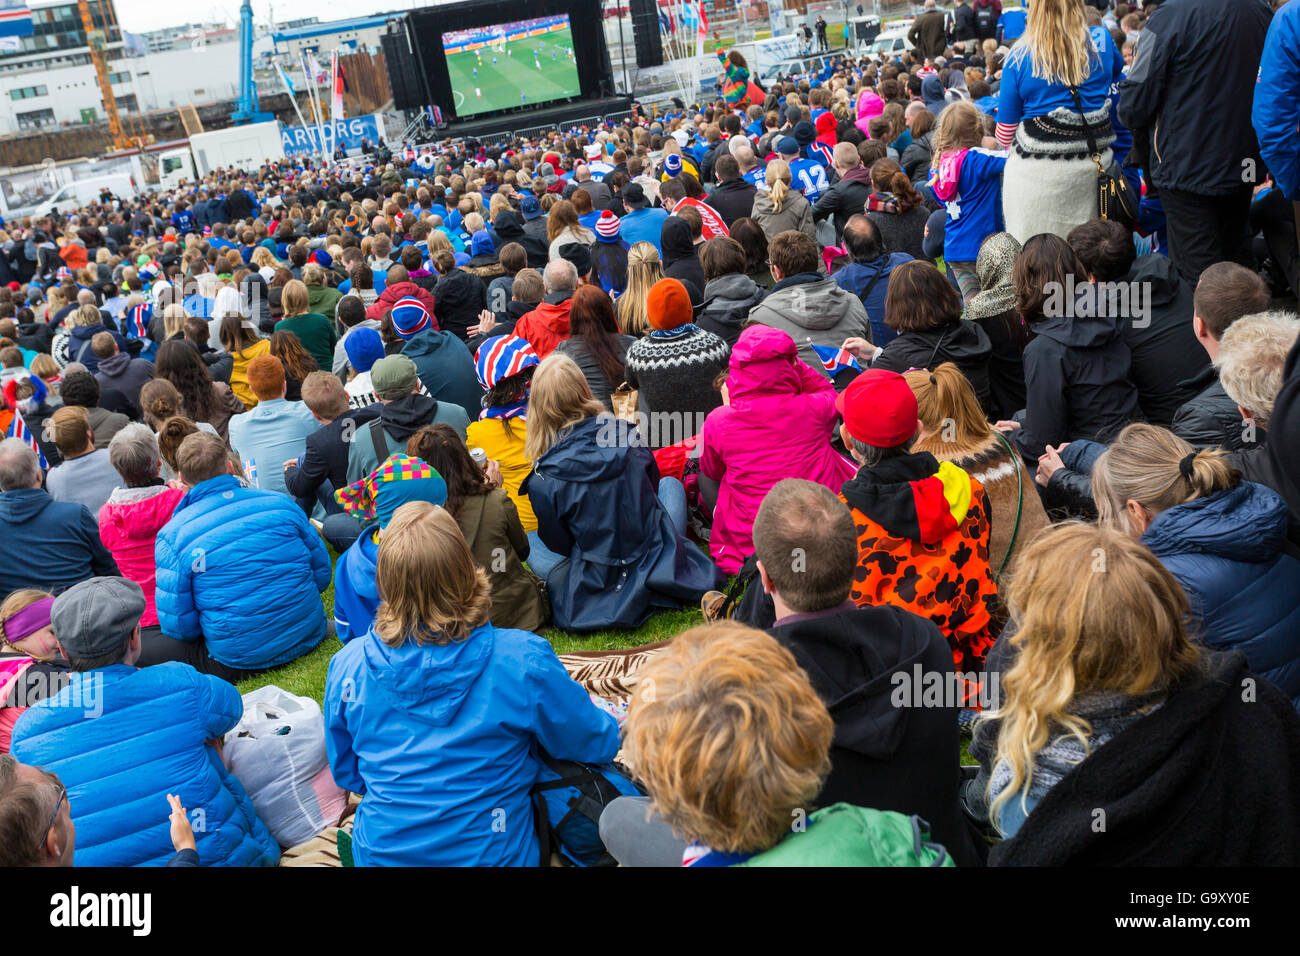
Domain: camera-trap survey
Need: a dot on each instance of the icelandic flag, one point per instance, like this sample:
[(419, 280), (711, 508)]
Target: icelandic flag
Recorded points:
[(18, 429), (15, 19), (250, 471), (139, 317), (702, 21), (821, 152), (835, 360)]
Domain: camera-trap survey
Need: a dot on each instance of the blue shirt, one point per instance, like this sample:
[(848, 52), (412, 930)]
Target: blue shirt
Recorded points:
[(975, 212), (809, 177), (268, 435), (757, 176), (642, 225), (1023, 96), (1012, 24), (183, 221)]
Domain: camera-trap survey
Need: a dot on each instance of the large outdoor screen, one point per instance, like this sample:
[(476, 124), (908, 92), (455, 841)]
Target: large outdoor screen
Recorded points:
[(511, 64)]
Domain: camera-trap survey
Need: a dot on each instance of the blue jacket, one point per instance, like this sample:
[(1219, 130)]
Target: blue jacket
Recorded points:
[(356, 592), (595, 494), (856, 276), (446, 368), (439, 739), (1226, 552), (1276, 113), (79, 349), (121, 739), (53, 544), (243, 570)]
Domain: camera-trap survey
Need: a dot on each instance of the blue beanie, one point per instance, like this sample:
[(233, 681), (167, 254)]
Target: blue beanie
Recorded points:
[(364, 347), (481, 244), (673, 164), (787, 146)]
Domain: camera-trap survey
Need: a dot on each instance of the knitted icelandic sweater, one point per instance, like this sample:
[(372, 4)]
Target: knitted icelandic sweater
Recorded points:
[(674, 372)]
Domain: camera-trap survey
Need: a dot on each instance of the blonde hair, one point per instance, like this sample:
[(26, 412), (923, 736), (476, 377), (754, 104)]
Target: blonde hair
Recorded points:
[(959, 128), (1091, 610), (777, 178), (732, 741), (1252, 353), (262, 258), (1056, 40), (44, 367), (294, 298), (430, 589), (949, 411), (1145, 464), (87, 314), (15, 602), (174, 317), (644, 269), (560, 399)]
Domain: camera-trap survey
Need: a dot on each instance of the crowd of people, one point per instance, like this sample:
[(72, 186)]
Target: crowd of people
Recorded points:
[(865, 366)]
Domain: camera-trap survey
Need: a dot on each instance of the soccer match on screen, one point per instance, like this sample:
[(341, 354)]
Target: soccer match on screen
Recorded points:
[(511, 64)]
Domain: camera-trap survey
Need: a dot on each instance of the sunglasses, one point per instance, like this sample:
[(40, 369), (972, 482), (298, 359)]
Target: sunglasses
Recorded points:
[(63, 795)]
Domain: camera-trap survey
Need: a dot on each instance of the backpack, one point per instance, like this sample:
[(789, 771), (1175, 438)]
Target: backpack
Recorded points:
[(986, 20), (844, 835), (568, 799)]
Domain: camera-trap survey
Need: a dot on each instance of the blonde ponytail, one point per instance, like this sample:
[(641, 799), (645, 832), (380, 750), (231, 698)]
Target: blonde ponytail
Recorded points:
[(777, 178)]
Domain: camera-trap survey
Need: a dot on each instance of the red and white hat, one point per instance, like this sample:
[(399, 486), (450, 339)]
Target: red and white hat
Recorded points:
[(607, 226)]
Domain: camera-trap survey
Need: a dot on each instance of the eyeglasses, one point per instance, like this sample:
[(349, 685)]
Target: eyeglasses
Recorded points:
[(63, 794)]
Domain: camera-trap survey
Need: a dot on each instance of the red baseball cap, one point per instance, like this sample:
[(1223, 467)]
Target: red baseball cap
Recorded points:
[(879, 408)]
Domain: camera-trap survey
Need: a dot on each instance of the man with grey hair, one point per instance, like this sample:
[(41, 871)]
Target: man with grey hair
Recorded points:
[(851, 191), (35, 817), (52, 544), (548, 325)]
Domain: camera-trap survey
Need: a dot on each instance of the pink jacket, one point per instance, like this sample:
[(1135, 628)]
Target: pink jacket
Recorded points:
[(869, 105), (777, 425), (128, 525)]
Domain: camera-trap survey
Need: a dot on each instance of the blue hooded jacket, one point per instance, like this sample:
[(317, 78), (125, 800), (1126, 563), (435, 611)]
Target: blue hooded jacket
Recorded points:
[(1277, 93), (121, 739), (356, 593), (243, 570), (595, 494), (439, 739), (1226, 552), (53, 544)]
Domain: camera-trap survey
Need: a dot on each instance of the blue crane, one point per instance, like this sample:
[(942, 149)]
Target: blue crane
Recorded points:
[(247, 110)]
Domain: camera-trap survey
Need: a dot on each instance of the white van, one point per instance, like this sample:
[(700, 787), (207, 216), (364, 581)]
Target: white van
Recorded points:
[(175, 167), (84, 191)]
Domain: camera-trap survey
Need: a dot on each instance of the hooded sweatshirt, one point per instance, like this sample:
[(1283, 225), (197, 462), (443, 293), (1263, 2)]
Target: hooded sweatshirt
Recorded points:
[(508, 228), (680, 258), (440, 738), (547, 326), (812, 310), (59, 541), (127, 375), (727, 302), (870, 105), (777, 426), (884, 756)]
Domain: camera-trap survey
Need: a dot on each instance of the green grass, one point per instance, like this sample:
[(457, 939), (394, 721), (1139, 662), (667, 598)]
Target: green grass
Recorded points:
[(501, 84)]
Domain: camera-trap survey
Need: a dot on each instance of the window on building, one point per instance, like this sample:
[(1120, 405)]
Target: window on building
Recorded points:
[(126, 102), (36, 119), (27, 92), (122, 77)]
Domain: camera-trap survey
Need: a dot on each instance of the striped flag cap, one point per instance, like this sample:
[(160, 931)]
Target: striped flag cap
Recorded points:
[(502, 356), (410, 316)]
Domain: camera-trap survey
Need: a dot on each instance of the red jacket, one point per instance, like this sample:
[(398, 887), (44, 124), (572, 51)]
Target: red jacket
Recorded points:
[(400, 290), (545, 327)]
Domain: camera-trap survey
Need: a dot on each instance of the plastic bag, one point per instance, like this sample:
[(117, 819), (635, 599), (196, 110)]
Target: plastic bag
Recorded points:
[(277, 750)]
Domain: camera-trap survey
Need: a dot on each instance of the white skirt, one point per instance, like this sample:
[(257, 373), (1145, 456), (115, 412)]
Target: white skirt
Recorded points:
[(1049, 195)]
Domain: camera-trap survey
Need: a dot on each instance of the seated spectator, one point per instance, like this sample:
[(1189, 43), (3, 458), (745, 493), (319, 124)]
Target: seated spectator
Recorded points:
[(807, 306), (219, 364), (681, 254), (1077, 381), (80, 388), (673, 368), (350, 315), (460, 296), (775, 423), (505, 367), (896, 209), (31, 663), (136, 511), (954, 428), (733, 196), (239, 572), (1112, 711), (442, 360), (1226, 292), (922, 524), (87, 322), (431, 645), (202, 399), (562, 227), (365, 347), (240, 339), (371, 502), (1152, 307), (493, 527), (118, 370), (779, 208), (993, 309), (867, 274), (405, 408), (596, 344), (275, 432), (35, 817), (323, 466), (315, 331), (145, 738), (733, 748), (548, 325), (85, 475), (849, 194), (729, 294), (925, 310), (609, 256), (610, 533), (295, 360)]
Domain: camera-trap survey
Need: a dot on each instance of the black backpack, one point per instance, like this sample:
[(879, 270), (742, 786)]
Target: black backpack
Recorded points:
[(986, 22)]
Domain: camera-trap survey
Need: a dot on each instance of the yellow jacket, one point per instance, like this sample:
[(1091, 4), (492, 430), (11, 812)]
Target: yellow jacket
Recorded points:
[(503, 441), (239, 374)]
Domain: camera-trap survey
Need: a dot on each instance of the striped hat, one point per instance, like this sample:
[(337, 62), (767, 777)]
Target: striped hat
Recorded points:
[(673, 164), (410, 316), (607, 227), (502, 356), (351, 222)]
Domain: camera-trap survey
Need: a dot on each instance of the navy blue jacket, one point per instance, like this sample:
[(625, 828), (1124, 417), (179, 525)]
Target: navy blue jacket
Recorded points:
[(446, 368), (1226, 552), (595, 494), (53, 544)]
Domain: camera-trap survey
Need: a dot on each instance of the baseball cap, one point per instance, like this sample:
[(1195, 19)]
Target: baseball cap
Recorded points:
[(633, 194), (97, 616), (878, 408), (787, 146), (393, 377), (529, 206)]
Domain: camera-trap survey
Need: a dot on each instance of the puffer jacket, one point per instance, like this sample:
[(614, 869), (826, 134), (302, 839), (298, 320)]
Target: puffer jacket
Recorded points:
[(777, 425), (595, 494), (128, 525), (145, 738), (813, 311), (356, 592), (727, 302), (440, 738), (1226, 550), (242, 570)]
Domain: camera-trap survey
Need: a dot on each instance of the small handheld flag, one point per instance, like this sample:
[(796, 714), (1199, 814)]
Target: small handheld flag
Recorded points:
[(18, 429), (835, 360)]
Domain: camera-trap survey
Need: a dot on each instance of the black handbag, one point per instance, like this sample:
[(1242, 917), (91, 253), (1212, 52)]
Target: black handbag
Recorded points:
[(1116, 200)]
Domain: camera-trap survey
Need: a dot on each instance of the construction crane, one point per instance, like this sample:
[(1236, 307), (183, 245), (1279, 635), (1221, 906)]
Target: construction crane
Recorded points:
[(247, 110), (95, 42)]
